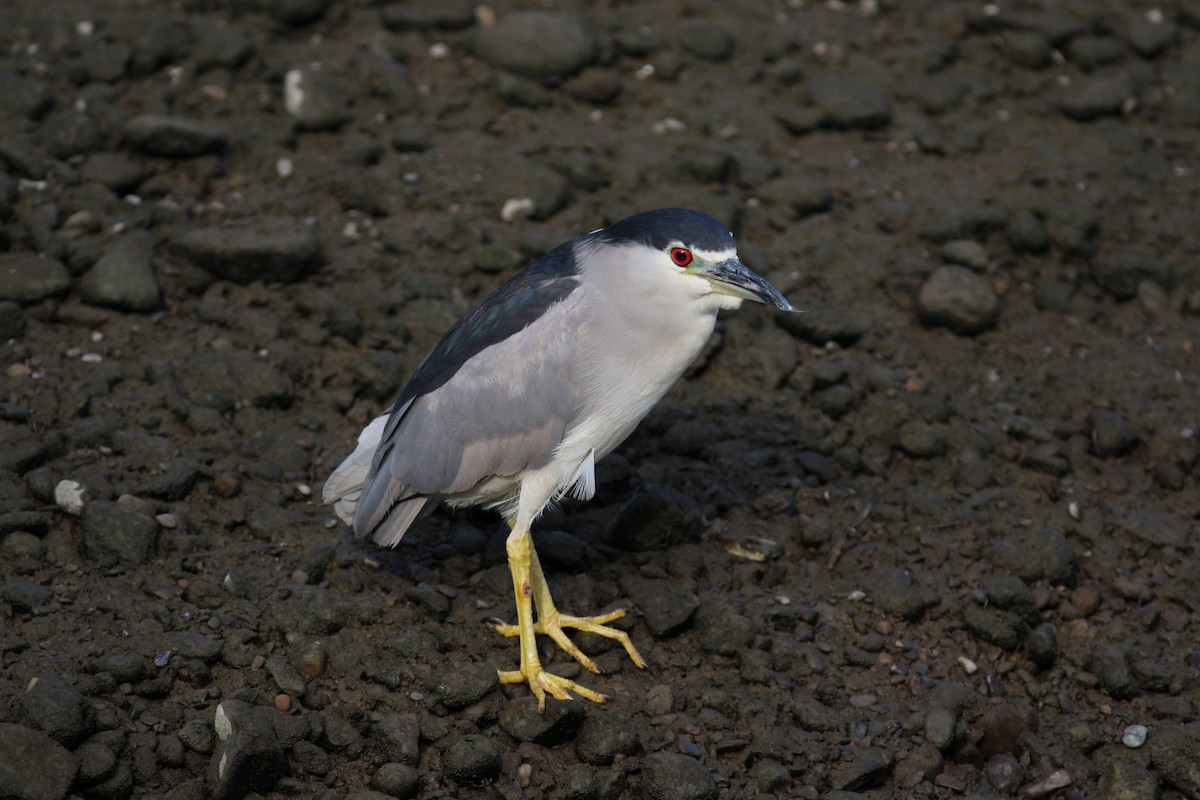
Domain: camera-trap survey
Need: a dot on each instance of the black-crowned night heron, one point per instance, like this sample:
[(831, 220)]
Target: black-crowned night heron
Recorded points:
[(539, 381)]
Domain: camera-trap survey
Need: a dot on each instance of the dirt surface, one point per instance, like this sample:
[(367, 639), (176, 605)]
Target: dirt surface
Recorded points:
[(231, 230)]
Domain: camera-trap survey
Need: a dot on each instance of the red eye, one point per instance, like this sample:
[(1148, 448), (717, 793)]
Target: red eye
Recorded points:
[(681, 256)]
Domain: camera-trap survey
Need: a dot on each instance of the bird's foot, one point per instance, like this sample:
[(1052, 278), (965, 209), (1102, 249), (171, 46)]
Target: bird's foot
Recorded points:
[(543, 683), (552, 625)]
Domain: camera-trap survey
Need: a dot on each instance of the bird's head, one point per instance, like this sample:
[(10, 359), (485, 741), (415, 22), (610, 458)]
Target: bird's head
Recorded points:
[(695, 250)]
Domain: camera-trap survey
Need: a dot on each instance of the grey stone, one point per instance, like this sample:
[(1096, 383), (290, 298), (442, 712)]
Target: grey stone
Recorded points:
[(34, 767), (426, 14), (965, 252), (471, 759), (673, 776), (55, 707), (1121, 272), (820, 326), (707, 41), (542, 45), (958, 299), (849, 102), (1124, 781), (1112, 435), (1010, 593), (654, 519), (125, 667), (116, 532), (313, 101), (165, 40), (1100, 96), (123, 278), (666, 606), (517, 90), (23, 158), (267, 249), (594, 85), (28, 278), (174, 136), (557, 724), (722, 629), (198, 736), (465, 684), (221, 45), (97, 763), (248, 757), (924, 763), (24, 96), (224, 379), (1157, 527), (1027, 233), (105, 60), (296, 12), (1175, 756), (919, 439)]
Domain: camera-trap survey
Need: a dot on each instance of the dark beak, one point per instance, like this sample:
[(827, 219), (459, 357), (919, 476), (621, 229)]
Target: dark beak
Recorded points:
[(734, 278)]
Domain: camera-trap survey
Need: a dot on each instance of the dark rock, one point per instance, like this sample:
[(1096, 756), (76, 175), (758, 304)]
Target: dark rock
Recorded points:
[(803, 194), (1122, 271), (399, 736), (940, 727), (849, 102), (116, 532), (554, 726), (704, 40), (654, 519), (72, 133), (397, 780), (1036, 553), (426, 14), (673, 776), (105, 61), (1101, 96), (124, 667), (864, 769), (1010, 593), (175, 482), (1030, 49), (722, 629), (24, 596), (1124, 781), (123, 278), (517, 90), (920, 439), (542, 45), (28, 278), (174, 136), (114, 170), (465, 684), (296, 12), (594, 85), (267, 249), (97, 763), (1027, 233), (821, 326), (248, 757), (193, 645), (605, 734), (1090, 52), (221, 381), (24, 96), (54, 706), (1001, 628), (472, 759), (924, 763), (666, 606), (221, 45), (1151, 38), (957, 298), (1175, 756), (34, 767), (1005, 773), (893, 591), (1112, 434), (198, 736), (1156, 527), (1110, 664)]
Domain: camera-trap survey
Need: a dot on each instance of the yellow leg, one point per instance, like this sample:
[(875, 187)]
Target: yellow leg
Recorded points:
[(529, 587)]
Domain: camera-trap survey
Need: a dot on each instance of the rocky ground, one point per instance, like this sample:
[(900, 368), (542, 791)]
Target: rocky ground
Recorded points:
[(935, 538)]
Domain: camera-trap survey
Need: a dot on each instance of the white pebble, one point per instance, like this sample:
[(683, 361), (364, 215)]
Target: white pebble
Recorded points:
[(439, 50), (71, 496), (517, 208), (969, 666), (284, 167), (1134, 736), (85, 27), (167, 520)]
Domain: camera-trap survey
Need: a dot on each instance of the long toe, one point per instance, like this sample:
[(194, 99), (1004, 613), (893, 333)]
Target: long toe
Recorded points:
[(543, 683), (597, 626)]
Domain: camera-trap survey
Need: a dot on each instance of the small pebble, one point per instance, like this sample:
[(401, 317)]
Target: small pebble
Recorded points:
[(283, 701), (1134, 736)]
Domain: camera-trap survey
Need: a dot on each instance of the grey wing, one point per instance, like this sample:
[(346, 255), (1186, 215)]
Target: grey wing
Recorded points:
[(504, 410)]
